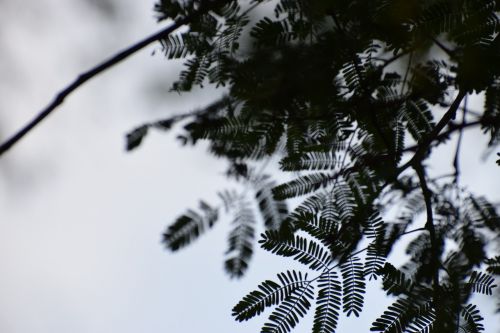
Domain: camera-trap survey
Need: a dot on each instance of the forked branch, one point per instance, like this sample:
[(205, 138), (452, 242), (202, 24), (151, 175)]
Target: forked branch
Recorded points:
[(424, 144)]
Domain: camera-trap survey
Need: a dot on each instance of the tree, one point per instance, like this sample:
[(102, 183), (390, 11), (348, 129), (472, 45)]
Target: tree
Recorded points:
[(352, 96)]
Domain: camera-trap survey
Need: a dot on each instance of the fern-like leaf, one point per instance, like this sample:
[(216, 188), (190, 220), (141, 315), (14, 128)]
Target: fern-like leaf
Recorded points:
[(269, 32), (493, 265), (344, 201), (189, 226), (375, 258), (364, 187), (418, 118), (482, 213), (374, 226), (288, 313), (241, 237), (327, 303), (424, 321), (472, 318), (491, 117), (273, 212), (353, 286), (304, 250), (481, 283), (269, 293), (396, 318), (311, 161), (395, 282), (318, 227), (302, 185), (174, 46)]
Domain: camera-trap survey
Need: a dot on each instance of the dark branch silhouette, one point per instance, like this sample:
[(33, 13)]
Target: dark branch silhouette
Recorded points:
[(94, 71)]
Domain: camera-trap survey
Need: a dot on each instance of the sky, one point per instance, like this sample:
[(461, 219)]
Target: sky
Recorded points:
[(81, 219)]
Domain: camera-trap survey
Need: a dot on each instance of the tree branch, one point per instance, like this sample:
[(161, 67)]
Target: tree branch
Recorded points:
[(456, 160), (429, 225), (424, 145), (89, 74), (448, 51), (445, 134)]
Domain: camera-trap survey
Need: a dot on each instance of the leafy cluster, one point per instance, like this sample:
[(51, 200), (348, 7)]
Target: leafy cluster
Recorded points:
[(351, 97)]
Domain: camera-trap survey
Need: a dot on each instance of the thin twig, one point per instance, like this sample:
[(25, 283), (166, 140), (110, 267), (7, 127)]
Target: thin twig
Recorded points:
[(406, 73), (456, 160), (443, 47), (94, 71), (475, 113), (412, 231)]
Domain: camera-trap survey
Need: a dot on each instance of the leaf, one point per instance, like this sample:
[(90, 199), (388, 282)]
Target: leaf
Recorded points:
[(430, 81), (471, 243), (424, 321), (269, 32), (396, 318), (473, 319), (395, 282), (269, 293), (328, 303), (481, 213), (418, 118), (189, 226), (374, 226), (311, 161), (344, 201), (287, 314), (301, 249), (354, 73), (273, 212), (375, 259), (399, 140), (438, 17), (491, 117), (493, 265), (241, 237), (481, 283), (174, 46), (135, 137), (230, 199), (302, 185), (228, 128), (317, 226), (353, 286), (230, 36), (364, 186)]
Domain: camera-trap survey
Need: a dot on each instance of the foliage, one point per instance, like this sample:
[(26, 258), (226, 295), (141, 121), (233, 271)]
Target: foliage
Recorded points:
[(352, 97)]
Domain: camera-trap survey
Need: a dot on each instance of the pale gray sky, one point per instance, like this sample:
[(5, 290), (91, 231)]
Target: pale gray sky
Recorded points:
[(81, 220)]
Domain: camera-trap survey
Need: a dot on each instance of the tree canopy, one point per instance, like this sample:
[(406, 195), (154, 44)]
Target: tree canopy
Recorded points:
[(351, 97)]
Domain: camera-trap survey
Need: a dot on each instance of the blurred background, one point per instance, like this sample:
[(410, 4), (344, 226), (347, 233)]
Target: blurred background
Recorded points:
[(81, 219)]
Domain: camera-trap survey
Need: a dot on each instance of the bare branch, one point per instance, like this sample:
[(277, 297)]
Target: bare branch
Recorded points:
[(91, 73)]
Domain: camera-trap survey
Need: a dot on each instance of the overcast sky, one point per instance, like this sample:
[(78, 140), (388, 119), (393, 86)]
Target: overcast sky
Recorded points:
[(81, 220)]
